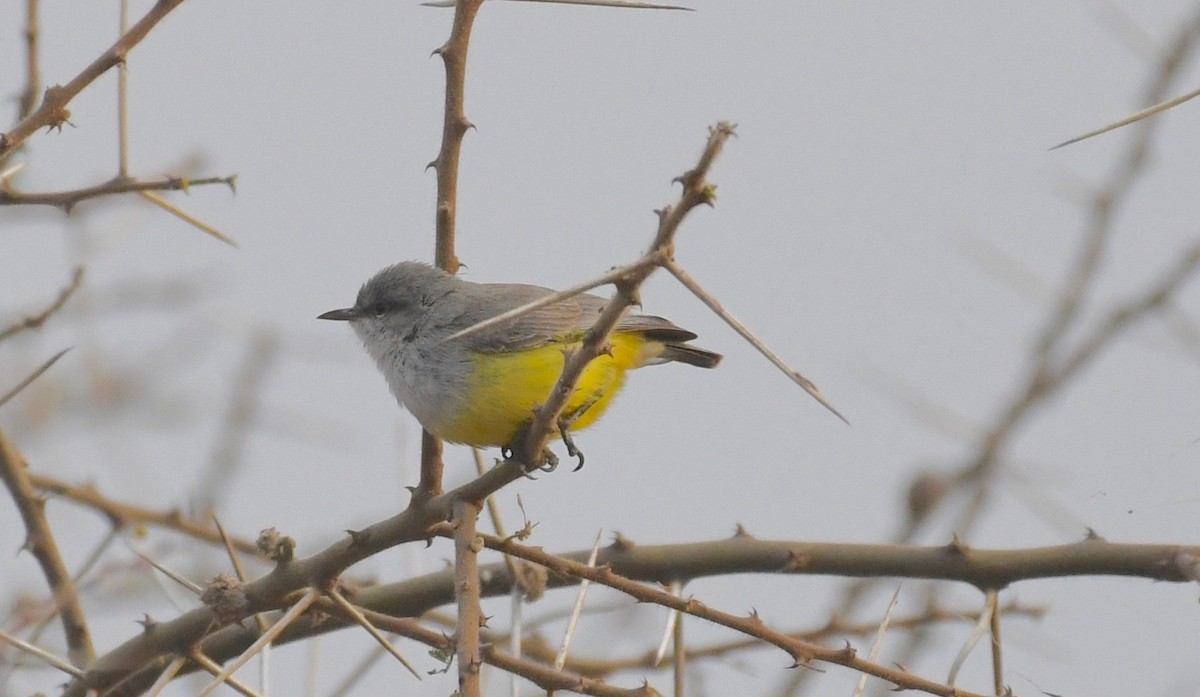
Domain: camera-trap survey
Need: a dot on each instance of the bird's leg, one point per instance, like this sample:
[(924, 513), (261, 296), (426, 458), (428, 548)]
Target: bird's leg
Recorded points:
[(564, 430), (548, 461)]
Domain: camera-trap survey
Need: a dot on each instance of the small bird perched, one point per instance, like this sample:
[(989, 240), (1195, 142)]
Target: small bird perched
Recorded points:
[(481, 388)]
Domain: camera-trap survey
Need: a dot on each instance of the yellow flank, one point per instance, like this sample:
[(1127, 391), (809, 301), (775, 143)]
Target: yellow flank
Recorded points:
[(505, 388)]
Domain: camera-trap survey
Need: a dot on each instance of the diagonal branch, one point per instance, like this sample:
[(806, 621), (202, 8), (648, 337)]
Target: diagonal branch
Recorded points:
[(52, 112), (40, 542)]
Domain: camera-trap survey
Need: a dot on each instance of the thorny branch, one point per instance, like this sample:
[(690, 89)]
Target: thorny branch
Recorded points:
[(40, 542)]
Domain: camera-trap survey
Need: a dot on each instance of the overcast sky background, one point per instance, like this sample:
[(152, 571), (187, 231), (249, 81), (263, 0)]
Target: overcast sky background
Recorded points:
[(880, 146)]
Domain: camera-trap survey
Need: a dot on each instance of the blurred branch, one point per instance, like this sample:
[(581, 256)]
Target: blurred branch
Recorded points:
[(66, 200), (39, 540), (52, 112), (123, 515), (37, 320), (33, 78)]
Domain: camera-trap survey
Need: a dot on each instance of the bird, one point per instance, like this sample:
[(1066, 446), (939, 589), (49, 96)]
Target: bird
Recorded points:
[(482, 387)]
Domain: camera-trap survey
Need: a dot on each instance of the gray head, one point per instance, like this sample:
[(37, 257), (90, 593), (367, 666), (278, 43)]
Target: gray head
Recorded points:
[(393, 306)]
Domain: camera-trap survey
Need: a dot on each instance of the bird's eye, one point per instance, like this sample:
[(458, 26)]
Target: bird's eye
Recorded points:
[(378, 310)]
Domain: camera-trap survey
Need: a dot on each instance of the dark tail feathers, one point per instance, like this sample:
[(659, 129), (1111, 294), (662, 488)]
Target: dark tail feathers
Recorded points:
[(691, 355)]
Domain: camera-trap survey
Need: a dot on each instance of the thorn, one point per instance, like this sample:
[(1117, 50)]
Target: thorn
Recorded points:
[(147, 623), (621, 543), (1092, 536), (358, 537), (957, 546), (740, 533)]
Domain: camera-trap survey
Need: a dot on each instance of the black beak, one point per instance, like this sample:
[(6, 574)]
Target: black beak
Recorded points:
[(347, 314)]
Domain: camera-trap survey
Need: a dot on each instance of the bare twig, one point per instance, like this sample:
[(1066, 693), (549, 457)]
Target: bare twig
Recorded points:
[(41, 654), (1133, 118), (53, 111), (123, 101), (123, 515), (33, 78), (793, 374), (66, 200), (173, 575), (185, 216), (39, 540), (981, 629), (569, 634), (4, 398), (993, 608), (877, 644), (37, 320), (267, 637), (167, 676), (214, 668), (355, 614)]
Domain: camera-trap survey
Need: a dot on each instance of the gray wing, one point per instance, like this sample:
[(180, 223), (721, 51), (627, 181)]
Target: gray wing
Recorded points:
[(568, 319)]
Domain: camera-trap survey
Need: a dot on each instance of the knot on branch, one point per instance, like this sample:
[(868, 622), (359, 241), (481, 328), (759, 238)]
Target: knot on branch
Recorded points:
[(226, 597), (277, 547)]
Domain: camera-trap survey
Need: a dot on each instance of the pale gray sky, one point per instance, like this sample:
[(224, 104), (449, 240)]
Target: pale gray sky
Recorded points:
[(880, 143)]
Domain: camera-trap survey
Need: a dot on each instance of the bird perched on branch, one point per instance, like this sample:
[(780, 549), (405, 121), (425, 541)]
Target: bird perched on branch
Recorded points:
[(480, 387)]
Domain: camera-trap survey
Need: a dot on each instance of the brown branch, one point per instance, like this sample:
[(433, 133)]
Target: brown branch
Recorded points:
[(66, 200), (40, 542), (531, 449), (52, 112), (123, 515), (538, 648), (466, 593), (33, 78), (454, 127), (644, 563), (37, 320), (803, 653)]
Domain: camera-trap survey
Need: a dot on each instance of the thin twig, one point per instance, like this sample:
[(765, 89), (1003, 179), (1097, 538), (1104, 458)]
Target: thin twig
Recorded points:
[(267, 637), (185, 216), (997, 664), (173, 575), (877, 644), (33, 78), (545, 300), (41, 654), (123, 101), (1133, 118), (672, 619), (569, 634), (167, 676), (66, 200), (980, 630), (363, 622), (214, 668), (4, 399), (124, 515), (37, 320), (793, 374), (53, 111)]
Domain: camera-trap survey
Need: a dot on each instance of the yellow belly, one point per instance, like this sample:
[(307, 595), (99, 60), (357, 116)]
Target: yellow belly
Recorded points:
[(504, 389)]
